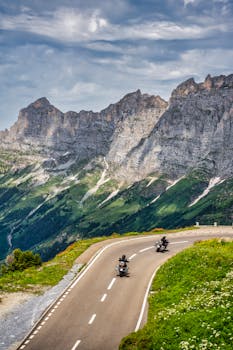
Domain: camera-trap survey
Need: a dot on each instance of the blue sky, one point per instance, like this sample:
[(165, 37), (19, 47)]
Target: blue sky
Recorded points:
[(86, 54)]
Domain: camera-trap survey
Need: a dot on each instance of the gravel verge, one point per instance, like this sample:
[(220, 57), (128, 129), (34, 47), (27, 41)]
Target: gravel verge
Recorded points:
[(17, 320)]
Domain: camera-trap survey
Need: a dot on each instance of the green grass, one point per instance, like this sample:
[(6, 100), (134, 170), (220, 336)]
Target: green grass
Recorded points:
[(49, 274), (191, 302)]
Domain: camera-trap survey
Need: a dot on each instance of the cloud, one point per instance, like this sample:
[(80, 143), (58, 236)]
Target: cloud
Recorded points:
[(76, 82), (187, 2), (88, 57), (76, 92), (63, 25), (203, 61), (72, 26), (195, 62), (164, 31)]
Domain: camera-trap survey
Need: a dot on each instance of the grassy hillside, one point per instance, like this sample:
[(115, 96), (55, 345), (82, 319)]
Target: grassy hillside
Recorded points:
[(191, 302), (172, 207)]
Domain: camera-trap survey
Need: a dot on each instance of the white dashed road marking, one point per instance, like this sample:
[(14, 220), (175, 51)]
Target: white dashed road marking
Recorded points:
[(92, 319), (111, 284), (76, 345), (179, 242), (103, 297), (132, 256), (143, 250)]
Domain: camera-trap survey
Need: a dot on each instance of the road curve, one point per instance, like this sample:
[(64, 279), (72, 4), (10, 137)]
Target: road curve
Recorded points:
[(99, 308)]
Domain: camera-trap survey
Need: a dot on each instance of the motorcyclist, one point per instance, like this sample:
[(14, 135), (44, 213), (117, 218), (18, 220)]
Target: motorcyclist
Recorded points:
[(164, 241), (124, 260)]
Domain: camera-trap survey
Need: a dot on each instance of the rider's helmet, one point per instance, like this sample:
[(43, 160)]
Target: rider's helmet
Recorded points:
[(164, 237), (123, 257)]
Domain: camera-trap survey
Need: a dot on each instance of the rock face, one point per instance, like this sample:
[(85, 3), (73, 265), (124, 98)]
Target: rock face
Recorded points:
[(196, 131), (130, 132), (86, 135), (140, 134)]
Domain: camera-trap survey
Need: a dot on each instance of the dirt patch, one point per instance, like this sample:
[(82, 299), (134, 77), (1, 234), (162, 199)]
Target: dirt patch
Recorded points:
[(8, 301)]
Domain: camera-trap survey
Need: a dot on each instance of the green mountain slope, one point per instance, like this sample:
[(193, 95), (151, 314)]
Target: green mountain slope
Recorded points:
[(45, 212)]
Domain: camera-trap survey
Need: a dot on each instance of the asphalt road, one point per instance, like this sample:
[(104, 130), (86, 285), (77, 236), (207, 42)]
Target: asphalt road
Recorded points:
[(99, 308)]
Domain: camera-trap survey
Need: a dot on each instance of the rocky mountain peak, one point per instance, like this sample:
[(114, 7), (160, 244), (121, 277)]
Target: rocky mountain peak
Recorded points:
[(139, 134), (218, 82), (134, 103), (185, 88), (210, 83), (41, 106), (132, 96), (35, 124), (136, 98), (128, 102), (40, 103)]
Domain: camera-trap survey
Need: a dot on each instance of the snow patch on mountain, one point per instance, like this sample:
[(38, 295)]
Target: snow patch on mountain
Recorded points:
[(101, 181), (37, 175), (152, 179), (173, 183), (113, 194), (155, 199), (213, 182)]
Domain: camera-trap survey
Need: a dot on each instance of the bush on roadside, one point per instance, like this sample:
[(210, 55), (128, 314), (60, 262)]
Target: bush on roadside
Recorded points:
[(19, 261)]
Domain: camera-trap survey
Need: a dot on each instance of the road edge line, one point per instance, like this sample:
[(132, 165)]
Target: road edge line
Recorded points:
[(145, 300)]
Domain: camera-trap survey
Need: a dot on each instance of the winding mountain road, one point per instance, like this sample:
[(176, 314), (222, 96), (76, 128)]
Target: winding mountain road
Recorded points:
[(99, 308)]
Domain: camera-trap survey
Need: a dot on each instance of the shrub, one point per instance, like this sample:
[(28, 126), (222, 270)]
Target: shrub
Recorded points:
[(20, 260)]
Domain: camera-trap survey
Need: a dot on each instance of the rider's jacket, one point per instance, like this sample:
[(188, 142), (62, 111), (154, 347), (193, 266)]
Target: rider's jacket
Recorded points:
[(123, 260)]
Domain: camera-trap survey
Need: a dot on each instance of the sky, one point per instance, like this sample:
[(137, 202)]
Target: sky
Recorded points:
[(87, 54)]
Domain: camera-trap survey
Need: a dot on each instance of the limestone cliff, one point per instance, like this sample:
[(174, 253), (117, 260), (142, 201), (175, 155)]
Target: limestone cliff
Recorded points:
[(86, 134), (196, 131), (140, 134)]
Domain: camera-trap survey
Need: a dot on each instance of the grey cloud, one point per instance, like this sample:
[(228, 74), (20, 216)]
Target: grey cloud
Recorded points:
[(84, 57), (69, 25)]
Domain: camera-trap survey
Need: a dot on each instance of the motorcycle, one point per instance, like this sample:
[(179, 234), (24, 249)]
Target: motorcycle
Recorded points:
[(122, 269), (161, 246)]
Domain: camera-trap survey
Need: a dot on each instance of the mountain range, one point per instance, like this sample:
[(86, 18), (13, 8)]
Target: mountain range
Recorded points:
[(139, 164)]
